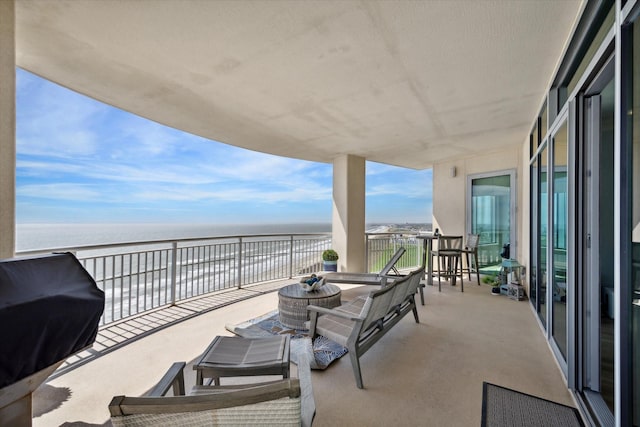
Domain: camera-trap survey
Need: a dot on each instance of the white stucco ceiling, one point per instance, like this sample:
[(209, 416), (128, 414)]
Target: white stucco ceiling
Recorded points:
[(407, 83)]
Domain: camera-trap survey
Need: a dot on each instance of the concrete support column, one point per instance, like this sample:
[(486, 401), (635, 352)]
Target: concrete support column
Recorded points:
[(7, 129), (348, 222)]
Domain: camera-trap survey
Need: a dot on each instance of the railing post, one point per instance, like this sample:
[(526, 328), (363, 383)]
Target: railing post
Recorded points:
[(174, 271), (395, 243), (239, 262), (106, 270), (291, 257), (366, 252)]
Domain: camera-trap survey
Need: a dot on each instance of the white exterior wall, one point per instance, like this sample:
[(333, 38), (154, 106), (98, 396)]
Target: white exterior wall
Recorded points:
[(450, 193), (7, 129)]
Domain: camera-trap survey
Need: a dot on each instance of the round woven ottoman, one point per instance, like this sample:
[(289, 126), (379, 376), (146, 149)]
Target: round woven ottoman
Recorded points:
[(293, 302)]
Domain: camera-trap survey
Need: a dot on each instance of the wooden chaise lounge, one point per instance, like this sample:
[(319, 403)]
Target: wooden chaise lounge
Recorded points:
[(359, 324), (380, 279), (369, 278)]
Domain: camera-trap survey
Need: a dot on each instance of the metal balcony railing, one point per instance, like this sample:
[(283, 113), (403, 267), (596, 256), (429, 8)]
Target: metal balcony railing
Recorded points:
[(381, 247), (140, 276)]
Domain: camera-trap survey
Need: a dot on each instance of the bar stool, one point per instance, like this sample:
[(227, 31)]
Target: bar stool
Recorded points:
[(470, 253), (449, 252)]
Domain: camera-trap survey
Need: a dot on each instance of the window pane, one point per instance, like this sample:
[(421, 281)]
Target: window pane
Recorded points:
[(542, 235), (559, 239), (593, 47), (533, 249)]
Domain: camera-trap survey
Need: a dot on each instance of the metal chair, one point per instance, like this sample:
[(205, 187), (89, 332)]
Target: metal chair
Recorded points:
[(449, 256), (471, 248)]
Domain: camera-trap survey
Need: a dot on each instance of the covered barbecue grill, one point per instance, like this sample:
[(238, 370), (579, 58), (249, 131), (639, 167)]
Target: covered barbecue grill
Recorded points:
[(50, 308)]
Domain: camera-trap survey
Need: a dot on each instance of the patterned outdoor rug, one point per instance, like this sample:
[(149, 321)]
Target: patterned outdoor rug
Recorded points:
[(320, 354), (505, 407)]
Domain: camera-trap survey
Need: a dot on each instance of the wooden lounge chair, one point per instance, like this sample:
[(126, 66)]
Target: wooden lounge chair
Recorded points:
[(359, 324), (369, 278), (276, 403), (381, 278)]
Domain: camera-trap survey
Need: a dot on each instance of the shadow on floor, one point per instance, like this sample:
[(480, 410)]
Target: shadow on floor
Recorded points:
[(46, 398)]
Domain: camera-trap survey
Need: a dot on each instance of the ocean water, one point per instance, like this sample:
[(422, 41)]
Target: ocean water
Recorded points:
[(31, 237), (57, 236), (139, 281)]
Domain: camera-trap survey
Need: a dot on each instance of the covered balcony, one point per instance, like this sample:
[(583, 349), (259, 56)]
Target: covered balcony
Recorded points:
[(451, 86), (433, 370), (429, 373), (445, 85)]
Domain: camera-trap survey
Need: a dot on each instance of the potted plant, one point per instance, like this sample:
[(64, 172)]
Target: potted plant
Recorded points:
[(330, 260), (494, 281)]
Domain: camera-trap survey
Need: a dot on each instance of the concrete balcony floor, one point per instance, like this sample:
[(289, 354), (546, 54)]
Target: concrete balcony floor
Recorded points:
[(418, 374)]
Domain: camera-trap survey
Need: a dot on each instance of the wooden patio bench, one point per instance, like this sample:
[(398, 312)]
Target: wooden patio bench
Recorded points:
[(359, 324)]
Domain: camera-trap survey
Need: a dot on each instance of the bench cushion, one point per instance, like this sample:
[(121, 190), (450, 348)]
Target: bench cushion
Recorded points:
[(336, 328)]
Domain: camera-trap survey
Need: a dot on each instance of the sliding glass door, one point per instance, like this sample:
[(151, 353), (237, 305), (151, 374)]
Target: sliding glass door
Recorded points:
[(492, 208), (549, 287), (630, 227), (597, 239)]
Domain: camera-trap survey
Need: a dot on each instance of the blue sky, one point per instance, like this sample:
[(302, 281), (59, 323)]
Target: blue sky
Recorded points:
[(82, 161)]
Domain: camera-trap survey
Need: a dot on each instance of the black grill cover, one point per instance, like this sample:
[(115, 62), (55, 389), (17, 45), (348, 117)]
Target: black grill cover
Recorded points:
[(49, 309)]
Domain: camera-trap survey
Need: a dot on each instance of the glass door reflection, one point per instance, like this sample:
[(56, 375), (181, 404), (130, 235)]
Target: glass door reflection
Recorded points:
[(559, 220)]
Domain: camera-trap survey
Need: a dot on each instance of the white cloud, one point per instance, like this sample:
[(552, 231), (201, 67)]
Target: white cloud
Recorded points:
[(401, 190), (73, 149), (374, 168), (65, 191), (399, 182), (114, 172), (243, 193), (55, 121), (134, 136)]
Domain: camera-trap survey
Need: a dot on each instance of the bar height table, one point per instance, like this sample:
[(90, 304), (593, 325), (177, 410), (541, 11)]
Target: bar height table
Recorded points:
[(427, 247)]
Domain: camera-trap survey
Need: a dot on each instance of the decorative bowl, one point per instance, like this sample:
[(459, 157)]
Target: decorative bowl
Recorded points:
[(311, 283)]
